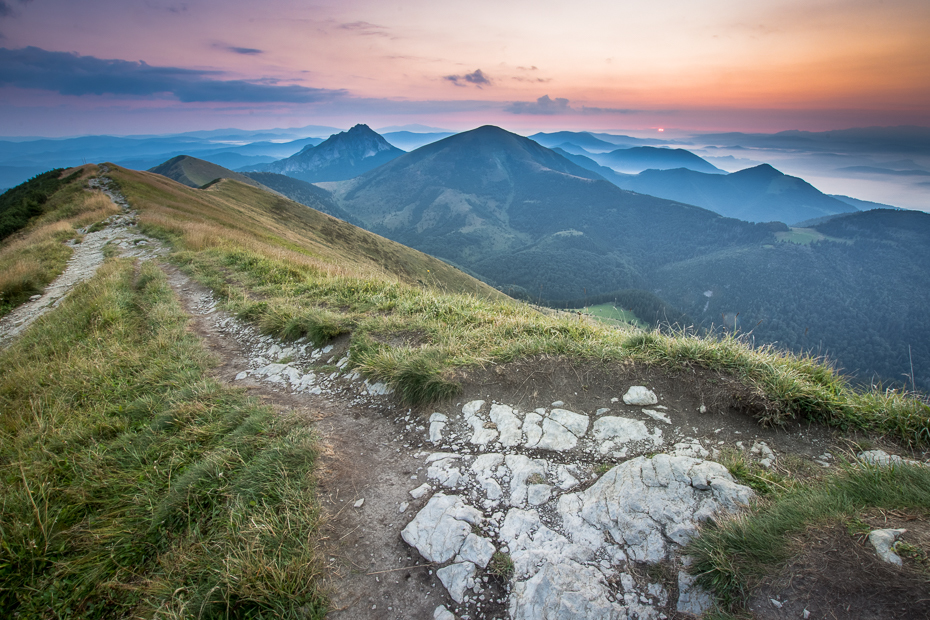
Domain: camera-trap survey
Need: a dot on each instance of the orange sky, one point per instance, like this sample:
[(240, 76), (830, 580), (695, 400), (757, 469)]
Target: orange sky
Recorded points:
[(697, 64)]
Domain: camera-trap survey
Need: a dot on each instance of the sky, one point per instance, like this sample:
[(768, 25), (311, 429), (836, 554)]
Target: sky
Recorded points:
[(77, 67)]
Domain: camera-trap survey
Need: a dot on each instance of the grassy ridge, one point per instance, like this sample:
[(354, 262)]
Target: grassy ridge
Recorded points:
[(132, 486), (34, 256), (299, 273)]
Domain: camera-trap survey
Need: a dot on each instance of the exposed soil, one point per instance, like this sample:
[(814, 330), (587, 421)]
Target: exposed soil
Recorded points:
[(836, 575)]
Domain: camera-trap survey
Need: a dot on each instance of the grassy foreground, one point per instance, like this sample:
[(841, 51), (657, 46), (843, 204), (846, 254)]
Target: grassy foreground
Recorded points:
[(135, 487)]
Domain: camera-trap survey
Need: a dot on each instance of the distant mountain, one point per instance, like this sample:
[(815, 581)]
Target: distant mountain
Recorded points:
[(641, 158), (195, 172), (342, 156), (759, 194), (521, 215), (902, 139), (617, 178), (408, 140), (579, 138), (861, 205)]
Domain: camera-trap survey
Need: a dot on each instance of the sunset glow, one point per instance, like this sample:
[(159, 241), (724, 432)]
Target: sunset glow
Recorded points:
[(719, 64)]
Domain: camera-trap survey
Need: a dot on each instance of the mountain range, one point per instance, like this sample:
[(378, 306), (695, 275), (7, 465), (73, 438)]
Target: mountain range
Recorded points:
[(527, 220), (341, 156)]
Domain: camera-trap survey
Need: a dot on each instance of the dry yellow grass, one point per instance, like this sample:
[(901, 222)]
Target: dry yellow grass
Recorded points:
[(31, 259)]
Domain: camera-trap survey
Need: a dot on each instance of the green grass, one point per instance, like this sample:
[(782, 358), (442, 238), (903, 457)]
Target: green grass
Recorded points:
[(731, 556), (612, 315), (133, 486)]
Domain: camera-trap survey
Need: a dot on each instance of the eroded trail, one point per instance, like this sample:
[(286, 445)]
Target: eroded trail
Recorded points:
[(87, 256), (366, 462)]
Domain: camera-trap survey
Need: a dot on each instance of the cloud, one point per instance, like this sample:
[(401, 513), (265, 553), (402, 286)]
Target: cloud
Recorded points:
[(248, 51), (546, 106), (70, 74), (365, 28), (477, 77)]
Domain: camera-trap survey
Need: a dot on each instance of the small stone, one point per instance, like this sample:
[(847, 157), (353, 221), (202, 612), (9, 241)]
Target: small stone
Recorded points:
[(421, 490), (640, 396), (441, 613), (655, 415), (404, 506), (776, 604), (360, 503), (883, 541)]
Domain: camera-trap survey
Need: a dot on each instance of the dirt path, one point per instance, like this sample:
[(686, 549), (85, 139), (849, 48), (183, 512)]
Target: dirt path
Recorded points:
[(366, 457)]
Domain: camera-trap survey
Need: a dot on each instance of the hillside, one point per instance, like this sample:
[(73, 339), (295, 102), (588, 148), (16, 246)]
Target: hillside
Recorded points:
[(520, 214), (539, 227), (195, 172), (207, 405), (341, 156)]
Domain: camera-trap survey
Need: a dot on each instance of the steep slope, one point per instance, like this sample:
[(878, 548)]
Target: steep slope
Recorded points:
[(639, 158), (520, 214), (342, 156), (302, 192), (195, 172), (758, 194)]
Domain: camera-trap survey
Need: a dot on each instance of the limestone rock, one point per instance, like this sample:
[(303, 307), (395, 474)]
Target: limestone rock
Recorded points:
[(692, 599), (476, 550), (508, 425), (647, 503), (564, 590), (441, 613), (640, 396), (883, 541), (441, 527), (455, 578)]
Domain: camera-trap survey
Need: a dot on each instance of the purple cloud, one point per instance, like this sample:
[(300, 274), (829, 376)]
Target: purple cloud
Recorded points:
[(477, 77), (71, 74)]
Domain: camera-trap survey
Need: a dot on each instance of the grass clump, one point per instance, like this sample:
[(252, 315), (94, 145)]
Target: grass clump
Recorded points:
[(732, 555), (501, 565), (132, 485)]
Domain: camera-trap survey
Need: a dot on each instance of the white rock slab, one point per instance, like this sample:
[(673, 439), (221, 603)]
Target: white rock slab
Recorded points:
[(455, 578), (612, 431), (441, 613), (640, 396), (441, 527), (645, 504), (576, 423), (532, 428), (564, 590), (476, 550), (522, 467), (508, 425), (482, 432), (657, 415), (445, 471), (692, 598), (437, 422), (556, 437)]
